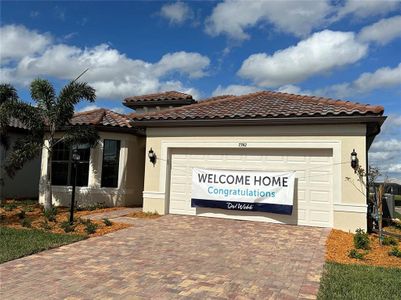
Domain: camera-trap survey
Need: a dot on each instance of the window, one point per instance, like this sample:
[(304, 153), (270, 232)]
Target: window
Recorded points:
[(111, 159), (62, 165)]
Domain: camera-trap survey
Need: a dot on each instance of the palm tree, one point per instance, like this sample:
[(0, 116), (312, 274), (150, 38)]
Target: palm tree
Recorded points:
[(8, 94), (51, 114)]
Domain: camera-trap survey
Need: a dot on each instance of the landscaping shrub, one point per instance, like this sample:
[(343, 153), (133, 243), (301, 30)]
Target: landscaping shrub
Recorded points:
[(21, 214), (361, 239), (389, 241), (26, 222), (90, 227), (395, 252), (67, 227), (10, 206), (107, 222), (45, 225), (355, 254), (50, 214)]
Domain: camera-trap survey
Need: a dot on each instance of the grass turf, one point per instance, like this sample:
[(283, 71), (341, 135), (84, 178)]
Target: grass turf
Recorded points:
[(359, 282), (16, 243), (397, 215)]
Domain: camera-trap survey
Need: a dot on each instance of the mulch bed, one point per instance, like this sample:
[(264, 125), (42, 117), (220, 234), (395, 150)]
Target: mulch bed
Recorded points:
[(339, 243), (34, 212)]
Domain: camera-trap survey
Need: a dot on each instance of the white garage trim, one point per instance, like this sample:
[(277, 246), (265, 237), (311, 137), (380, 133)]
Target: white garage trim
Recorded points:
[(347, 207)]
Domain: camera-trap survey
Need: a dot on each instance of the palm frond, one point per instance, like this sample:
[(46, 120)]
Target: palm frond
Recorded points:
[(25, 149), (43, 93), (76, 135), (70, 95), (7, 93)]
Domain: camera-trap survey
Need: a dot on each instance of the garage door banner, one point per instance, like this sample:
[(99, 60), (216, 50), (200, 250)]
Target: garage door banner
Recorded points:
[(243, 190)]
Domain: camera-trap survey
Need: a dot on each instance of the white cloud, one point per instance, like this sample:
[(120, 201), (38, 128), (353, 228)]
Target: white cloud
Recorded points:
[(111, 73), (293, 89), (388, 145), (176, 13), (396, 168), (17, 42), (190, 63), (381, 78), (319, 53), (235, 89), (382, 32), (366, 8), (385, 151), (232, 18), (88, 108)]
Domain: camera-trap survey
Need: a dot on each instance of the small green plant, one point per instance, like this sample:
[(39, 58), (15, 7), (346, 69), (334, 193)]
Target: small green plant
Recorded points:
[(361, 239), (45, 225), (107, 222), (90, 227), (50, 214), (397, 225), (395, 252), (28, 208), (26, 222), (21, 215), (67, 227), (354, 253), (389, 241), (10, 206)]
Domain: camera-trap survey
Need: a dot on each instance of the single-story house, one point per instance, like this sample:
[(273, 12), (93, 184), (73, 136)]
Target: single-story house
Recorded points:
[(290, 154), (25, 183)]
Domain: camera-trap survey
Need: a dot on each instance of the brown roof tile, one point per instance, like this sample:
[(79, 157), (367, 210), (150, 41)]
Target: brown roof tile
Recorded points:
[(15, 123), (171, 96), (101, 117), (264, 104)]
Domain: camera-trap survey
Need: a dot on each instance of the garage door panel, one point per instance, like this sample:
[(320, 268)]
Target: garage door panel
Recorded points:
[(313, 199)]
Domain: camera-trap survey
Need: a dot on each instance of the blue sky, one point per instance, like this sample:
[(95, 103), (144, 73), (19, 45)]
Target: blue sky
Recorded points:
[(341, 49)]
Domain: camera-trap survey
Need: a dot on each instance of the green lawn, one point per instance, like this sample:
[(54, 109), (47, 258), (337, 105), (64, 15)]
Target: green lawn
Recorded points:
[(397, 215), (360, 282), (15, 243)]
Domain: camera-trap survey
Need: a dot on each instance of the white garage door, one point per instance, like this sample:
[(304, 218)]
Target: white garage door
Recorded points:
[(313, 185)]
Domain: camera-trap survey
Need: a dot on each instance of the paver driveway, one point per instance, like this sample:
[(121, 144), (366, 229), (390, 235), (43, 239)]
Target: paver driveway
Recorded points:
[(176, 257)]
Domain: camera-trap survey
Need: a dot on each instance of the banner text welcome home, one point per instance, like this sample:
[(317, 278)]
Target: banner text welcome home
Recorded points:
[(279, 181)]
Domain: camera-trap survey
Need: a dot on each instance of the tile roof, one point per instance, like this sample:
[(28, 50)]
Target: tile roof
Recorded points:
[(165, 96), (264, 104), (15, 123), (101, 117)]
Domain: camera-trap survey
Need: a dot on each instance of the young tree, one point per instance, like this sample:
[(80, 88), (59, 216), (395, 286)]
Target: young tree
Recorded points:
[(51, 114), (8, 94)]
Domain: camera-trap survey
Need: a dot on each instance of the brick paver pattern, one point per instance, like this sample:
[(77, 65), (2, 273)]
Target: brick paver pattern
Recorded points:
[(176, 257)]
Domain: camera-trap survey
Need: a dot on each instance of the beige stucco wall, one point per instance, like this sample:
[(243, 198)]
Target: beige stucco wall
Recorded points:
[(130, 179), (349, 192)]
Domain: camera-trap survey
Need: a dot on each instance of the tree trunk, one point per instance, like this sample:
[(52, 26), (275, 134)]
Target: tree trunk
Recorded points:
[(48, 186)]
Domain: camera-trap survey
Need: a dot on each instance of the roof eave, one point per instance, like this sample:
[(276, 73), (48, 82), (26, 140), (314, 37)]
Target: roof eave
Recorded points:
[(262, 121)]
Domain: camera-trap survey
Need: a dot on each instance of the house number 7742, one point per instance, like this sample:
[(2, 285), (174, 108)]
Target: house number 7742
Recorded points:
[(242, 145)]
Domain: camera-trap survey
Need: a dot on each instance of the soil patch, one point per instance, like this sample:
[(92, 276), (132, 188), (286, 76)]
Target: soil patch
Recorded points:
[(339, 243)]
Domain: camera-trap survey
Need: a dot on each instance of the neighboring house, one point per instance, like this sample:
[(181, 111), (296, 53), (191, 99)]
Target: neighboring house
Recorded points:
[(266, 131), (392, 186), (25, 183)]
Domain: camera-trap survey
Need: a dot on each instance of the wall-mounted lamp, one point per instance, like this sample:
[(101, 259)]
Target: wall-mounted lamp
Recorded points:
[(354, 160), (152, 156)]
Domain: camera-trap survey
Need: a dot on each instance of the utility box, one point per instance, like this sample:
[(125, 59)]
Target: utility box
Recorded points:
[(388, 206)]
